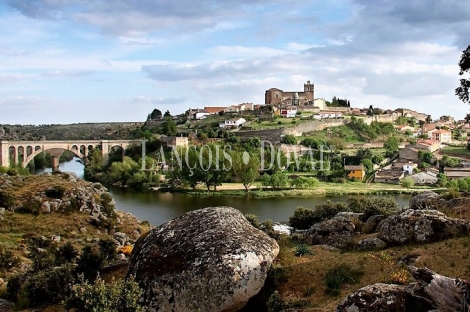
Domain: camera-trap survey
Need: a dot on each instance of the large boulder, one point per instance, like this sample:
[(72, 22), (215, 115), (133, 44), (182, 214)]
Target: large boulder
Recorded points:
[(425, 200), (421, 226), (371, 243), (210, 259), (383, 297), (337, 232), (371, 224), (431, 292)]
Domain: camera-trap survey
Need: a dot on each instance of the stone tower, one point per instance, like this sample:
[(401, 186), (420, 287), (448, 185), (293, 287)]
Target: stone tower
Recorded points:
[(309, 91)]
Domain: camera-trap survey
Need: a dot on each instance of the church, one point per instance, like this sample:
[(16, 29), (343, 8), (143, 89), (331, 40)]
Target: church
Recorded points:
[(277, 97)]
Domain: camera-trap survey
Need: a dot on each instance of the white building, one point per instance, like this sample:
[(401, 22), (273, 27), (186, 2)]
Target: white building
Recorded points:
[(233, 122), (289, 111)]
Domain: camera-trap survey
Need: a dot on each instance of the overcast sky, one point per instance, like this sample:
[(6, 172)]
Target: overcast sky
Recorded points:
[(69, 61)]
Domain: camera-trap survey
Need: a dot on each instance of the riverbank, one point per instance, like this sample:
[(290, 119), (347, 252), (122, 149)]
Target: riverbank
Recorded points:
[(323, 189)]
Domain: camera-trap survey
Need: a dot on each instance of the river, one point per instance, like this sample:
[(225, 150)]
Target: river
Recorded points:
[(159, 207)]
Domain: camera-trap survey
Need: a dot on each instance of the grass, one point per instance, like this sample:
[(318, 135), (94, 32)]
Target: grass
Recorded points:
[(322, 189), (304, 274), (456, 151)]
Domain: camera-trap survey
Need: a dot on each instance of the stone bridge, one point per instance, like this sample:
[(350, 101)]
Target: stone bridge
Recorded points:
[(22, 152)]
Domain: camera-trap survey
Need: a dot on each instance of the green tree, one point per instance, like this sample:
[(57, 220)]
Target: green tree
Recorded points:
[(368, 165), (245, 168), (94, 166), (463, 90), (168, 127), (391, 145), (289, 139), (407, 182)]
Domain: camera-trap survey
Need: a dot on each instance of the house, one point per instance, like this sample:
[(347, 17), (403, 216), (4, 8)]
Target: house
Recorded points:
[(404, 128), (320, 103), (288, 111), (171, 141), (429, 145), (441, 135), (245, 107), (409, 153), (212, 110), (232, 109), (409, 167), (427, 127), (456, 172), (393, 176), (447, 119), (423, 178), (355, 172), (200, 115), (233, 122)]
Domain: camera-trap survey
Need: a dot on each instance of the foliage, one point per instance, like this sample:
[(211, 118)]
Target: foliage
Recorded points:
[(253, 219), (289, 139), (49, 286), (304, 182), (90, 262), (275, 303), (168, 127), (245, 168), (66, 254), (407, 182), (94, 166), (56, 191), (118, 295), (368, 165), (304, 218), (373, 205), (425, 156), (463, 90), (7, 259), (7, 199), (391, 145), (339, 275), (302, 250)]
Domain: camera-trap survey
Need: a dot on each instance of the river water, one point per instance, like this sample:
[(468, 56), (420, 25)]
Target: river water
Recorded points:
[(159, 207)]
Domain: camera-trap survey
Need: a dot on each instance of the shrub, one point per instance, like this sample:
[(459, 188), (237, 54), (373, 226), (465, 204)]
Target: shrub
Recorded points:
[(7, 259), (118, 295), (327, 210), (6, 199), (375, 205), (407, 182), (275, 303), (339, 275), (253, 219), (66, 254), (90, 262), (302, 250), (55, 192), (302, 219), (289, 139), (49, 286)]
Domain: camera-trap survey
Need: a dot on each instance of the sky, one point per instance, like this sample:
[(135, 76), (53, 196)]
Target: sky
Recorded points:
[(71, 61)]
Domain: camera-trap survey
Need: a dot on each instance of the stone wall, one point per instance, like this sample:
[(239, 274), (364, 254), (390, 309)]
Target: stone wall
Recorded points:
[(379, 118), (272, 135), (314, 125)]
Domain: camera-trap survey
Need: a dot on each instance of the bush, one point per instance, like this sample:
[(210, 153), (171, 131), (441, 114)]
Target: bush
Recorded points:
[(118, 295), (253, 219), (49, 286), (66, 254), (407, 182), (302, 250), (275, 303), (90, 262), (55, 192), (342, 274), (371, 206), (6, 199), (7, 259), (289, 139), (302, 219)]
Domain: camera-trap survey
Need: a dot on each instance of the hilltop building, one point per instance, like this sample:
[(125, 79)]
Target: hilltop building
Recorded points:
[(276, 96)]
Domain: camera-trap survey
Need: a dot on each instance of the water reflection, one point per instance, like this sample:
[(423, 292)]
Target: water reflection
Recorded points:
[(158, 208)]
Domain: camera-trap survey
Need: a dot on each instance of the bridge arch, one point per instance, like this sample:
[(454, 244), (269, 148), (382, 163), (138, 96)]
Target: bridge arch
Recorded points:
[(40, 150)]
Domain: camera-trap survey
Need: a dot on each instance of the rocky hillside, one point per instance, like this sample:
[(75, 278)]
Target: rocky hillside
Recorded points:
[(47, 219)]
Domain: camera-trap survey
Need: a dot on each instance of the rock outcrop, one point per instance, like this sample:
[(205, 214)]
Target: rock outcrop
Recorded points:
[(371, 224), (210, 259), (425, 200), (431, 292), (337, 232), (421, 226), (371, 243)]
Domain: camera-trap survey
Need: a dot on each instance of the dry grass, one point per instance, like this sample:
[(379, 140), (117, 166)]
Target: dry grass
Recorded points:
[(305, 276)]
